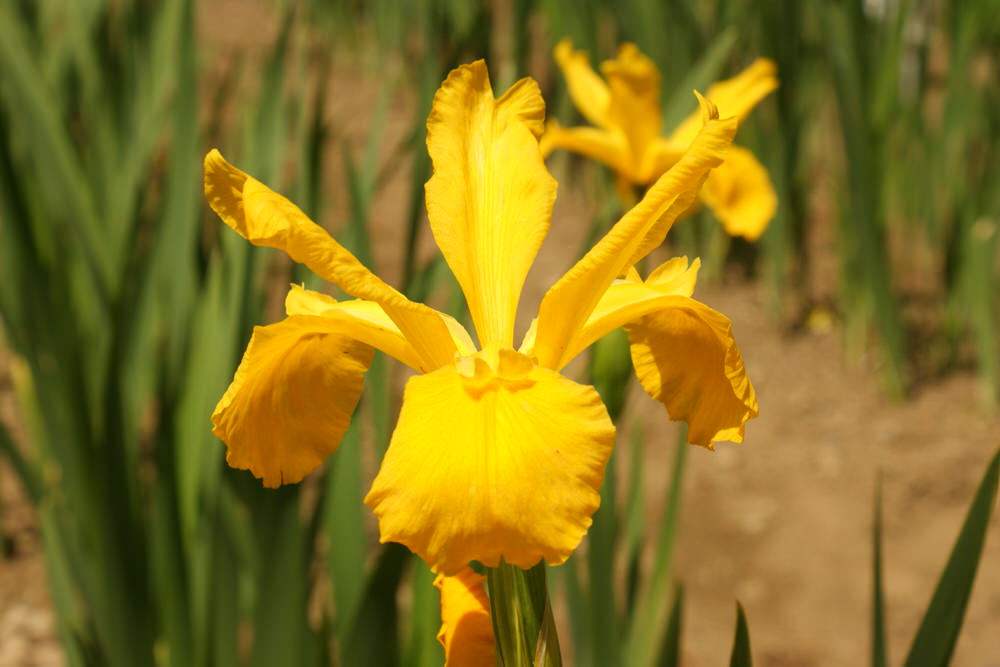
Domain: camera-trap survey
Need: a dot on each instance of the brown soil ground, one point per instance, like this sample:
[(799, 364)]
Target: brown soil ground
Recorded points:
[(781, 523)]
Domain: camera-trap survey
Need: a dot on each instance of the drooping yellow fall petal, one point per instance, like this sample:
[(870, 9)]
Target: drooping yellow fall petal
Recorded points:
[(292, 398), (587, 90), (683, 351), (519, 448), (630, 298), (490, 199), (740, 194), (265, 218), (634, 83), (466, 626), (369, 323), (686, 358), (568, 303), (606, 147), (735, 97)]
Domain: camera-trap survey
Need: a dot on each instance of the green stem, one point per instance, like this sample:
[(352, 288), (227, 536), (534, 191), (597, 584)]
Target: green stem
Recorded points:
[(523, 626)]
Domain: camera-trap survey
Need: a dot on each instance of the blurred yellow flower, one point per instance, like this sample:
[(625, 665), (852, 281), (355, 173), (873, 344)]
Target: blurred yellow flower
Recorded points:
[(466, 626), (625, 109), (496, 454)]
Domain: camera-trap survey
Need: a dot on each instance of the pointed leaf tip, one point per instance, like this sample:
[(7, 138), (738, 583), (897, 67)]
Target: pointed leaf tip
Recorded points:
[(740, 656)]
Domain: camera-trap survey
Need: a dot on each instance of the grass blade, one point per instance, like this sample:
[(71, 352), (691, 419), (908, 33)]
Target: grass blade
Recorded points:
[(281, 628), (938, 632), (880, 656), (345, 531), (670, 654), (37, 115), (25, 471), (867, 287), (704, 72), (372, 641), (740, 657), (576, 602), (652, 611), (423, 649)]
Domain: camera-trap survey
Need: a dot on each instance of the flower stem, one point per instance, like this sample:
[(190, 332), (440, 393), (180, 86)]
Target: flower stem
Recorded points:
[(523, 626)]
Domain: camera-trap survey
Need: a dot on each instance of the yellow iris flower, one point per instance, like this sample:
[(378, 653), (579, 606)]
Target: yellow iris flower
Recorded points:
[(625, 109), (495, 454), (466, 625)]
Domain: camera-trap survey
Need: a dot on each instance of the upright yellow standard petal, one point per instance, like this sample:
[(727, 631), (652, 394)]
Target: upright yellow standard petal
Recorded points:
[(735, 97), (589, 93), (634, 82), (292, 398), (568, 304), (686, 358), (740, 194), (493, 457), (265, 218), (466, 626), (490, 199)]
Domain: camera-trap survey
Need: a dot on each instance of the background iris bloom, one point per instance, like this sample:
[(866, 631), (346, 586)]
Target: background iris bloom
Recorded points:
[(496, 454), (624, 108)]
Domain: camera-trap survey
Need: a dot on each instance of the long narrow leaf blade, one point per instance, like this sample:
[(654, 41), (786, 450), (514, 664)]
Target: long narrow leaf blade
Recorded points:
[(935, 640), (670, 654), (740, 656), (880, 656), (651, 614)]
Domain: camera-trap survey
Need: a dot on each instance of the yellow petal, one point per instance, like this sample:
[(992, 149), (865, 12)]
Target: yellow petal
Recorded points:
[(675, 276), (568, 304), (490, 198), (503, 459), (735, 97), (589, 93), (634, 82), (609, 148), (265, 218), (524, 101), (686, 358), (466, 626), (292, 398), (369, 323), (740, 194), (629, 299), (663, 155), (683, 351)]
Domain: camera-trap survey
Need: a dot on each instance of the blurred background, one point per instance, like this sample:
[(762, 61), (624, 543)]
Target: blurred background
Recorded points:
[(867, 316)]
